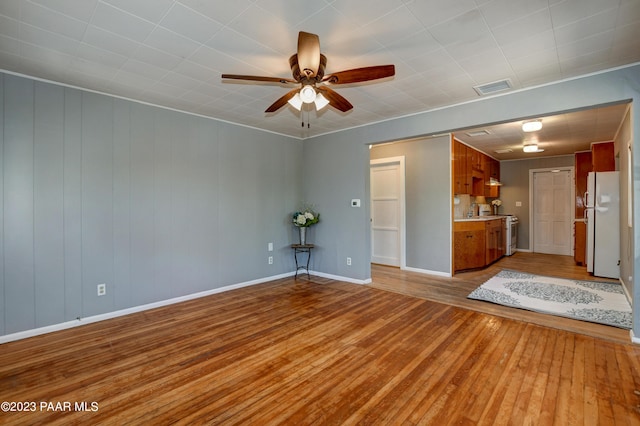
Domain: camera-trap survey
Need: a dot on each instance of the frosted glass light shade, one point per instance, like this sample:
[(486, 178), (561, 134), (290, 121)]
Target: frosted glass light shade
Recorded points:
[(308, 94), (321, 101), (531, 126), (296, 102)]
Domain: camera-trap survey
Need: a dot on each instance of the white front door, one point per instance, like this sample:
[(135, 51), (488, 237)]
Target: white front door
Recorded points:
[(387, 211), (552, 218)]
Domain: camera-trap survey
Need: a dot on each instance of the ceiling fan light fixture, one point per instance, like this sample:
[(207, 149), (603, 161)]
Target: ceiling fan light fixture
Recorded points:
[(531, 126), (308, 94), (296, 101), (321, 101)]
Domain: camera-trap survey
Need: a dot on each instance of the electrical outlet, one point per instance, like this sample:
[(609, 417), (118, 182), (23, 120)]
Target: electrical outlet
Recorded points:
[(348, 261), (270, 260), (102, 289)]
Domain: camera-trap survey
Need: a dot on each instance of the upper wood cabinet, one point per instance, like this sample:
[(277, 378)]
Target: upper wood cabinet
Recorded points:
[(477, 160), (603, 157), (472, 170), (461, 168), (491, 170)]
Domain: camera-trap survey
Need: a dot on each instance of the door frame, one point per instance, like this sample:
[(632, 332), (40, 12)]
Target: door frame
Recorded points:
[(400, 160), (572, 190)]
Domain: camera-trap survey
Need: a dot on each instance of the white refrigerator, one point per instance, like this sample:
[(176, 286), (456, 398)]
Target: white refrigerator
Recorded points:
[(602, 216)]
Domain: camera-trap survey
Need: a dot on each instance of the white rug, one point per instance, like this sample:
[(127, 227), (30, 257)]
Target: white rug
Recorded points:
[(594, 301)]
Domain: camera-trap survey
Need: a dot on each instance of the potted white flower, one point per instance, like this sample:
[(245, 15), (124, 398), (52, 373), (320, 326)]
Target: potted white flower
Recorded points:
[(495, 204), (304, 219)]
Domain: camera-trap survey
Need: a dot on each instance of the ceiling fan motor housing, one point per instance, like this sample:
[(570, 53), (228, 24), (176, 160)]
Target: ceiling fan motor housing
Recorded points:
[(303, 77)]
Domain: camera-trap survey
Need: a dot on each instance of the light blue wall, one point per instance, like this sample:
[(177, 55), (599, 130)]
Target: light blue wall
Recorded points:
[(154, 203), (337, 169), (428, 200), (158, 204)]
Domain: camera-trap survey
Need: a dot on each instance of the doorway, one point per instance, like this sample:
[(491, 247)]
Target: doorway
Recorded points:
[(552, 214), (387, 211)]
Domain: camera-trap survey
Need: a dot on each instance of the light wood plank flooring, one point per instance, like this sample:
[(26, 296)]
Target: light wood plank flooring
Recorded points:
[(322, 352)]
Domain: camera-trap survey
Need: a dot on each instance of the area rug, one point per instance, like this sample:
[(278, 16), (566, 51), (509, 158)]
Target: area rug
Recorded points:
[(594, 301)]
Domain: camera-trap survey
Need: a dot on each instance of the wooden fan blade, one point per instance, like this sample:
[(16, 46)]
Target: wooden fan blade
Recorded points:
[(259, 78), (282, 101), (361, 74), (335, 99), (308, 54)]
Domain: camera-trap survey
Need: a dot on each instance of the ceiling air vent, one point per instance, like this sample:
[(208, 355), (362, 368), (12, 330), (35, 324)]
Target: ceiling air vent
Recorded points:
[(496, 86), (503, 151), (477, 133)]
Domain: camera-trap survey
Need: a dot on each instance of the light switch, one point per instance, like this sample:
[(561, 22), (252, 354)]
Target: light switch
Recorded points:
[(355, 202)]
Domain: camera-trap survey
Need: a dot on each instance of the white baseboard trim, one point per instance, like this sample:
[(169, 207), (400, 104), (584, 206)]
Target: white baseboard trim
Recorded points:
[(634, 339), (427, 272), (339, 278), (109, 315)]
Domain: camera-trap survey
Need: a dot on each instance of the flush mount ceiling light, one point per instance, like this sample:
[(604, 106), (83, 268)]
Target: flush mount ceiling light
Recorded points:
[(531, 147), (531, 126)]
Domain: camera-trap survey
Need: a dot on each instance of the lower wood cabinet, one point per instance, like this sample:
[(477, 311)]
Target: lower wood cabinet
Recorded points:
[(580, 246), (477, 243), (494, 230), (468, 245)]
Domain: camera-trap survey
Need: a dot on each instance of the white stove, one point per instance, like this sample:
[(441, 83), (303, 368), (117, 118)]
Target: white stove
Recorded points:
[(512, 235)]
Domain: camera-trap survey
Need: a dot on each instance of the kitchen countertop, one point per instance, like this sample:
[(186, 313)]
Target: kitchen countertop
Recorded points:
[(476, 218)]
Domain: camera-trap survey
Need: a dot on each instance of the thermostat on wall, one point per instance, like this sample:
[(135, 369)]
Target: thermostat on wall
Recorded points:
[(355, 202)]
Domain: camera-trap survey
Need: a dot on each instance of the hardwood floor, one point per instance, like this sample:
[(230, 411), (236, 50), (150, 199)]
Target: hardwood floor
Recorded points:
[(454, 291), (322, 352)]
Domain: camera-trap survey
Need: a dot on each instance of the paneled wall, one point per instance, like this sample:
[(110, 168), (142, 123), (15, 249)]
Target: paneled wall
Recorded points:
[(154, 203)]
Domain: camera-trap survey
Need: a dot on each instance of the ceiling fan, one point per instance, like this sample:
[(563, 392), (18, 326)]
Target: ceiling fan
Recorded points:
[(307, 67)]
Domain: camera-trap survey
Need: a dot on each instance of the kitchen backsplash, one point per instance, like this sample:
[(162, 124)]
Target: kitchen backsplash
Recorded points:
[(461, 205)]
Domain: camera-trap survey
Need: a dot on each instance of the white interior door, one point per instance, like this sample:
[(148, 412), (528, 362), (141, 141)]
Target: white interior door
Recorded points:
[(552, 218), (387, 211)]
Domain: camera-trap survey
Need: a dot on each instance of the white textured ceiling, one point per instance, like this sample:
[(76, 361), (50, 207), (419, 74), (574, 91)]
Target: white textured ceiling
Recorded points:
[(172, 53), (561, 134)]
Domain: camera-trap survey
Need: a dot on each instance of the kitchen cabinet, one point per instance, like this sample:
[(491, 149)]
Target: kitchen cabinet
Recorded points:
[(492, 170), (583, 165), (477, 162), (580, 245), (472, 170), (461, 168), (494, 237), (469, 245), (478, 243), (603, 157), (582, 168)]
